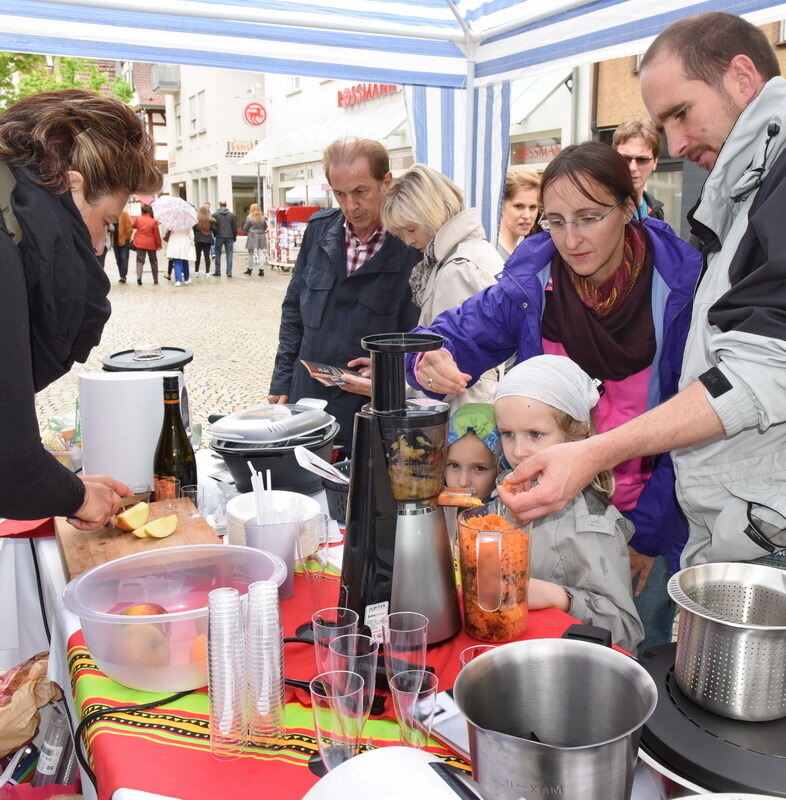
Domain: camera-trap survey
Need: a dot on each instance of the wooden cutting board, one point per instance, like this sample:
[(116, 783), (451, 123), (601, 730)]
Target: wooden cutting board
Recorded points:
[(83, 550)]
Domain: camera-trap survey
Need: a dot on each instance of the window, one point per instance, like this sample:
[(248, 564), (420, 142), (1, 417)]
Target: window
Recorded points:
[(294, 84), (178, 125), (781, 38), (201, 112), (192, 115)]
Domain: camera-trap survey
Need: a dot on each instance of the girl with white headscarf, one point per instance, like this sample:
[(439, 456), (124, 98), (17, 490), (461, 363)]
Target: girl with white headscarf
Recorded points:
[(578, 556)]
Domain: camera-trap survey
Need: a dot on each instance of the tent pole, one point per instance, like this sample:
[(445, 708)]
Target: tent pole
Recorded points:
[(469, 134)]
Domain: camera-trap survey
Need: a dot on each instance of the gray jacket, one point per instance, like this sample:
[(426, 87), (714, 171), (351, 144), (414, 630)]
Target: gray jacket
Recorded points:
[(584, 549), (733, 490), (467, 264), (226, 224)]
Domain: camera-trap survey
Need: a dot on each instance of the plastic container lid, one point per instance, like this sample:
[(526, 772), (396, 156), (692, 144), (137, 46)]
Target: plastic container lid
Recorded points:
[(127, 360), (270, 423)]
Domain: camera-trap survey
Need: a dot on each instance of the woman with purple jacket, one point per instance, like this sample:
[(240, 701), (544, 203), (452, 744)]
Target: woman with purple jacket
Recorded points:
[(614, 294)]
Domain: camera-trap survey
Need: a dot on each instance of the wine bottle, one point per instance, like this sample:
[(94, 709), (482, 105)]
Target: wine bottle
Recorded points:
[(174, 455)]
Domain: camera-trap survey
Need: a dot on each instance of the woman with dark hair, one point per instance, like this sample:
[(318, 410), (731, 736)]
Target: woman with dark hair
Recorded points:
[(614, 294), (147, 242), (71, 158)]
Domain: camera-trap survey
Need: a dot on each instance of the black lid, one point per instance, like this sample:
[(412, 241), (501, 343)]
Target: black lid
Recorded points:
[(719, 754), (388, 385), (124, 361)]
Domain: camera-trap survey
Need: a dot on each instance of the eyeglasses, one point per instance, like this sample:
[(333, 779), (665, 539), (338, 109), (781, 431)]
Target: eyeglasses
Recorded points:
[(642, 161), (582, 223)]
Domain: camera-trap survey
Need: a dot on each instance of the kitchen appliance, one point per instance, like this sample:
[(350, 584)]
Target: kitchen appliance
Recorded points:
[(155, 358), (121, 415), (267, 435), (494, 558), (707, 750), (731, 640), (554, 718), (397, 555)]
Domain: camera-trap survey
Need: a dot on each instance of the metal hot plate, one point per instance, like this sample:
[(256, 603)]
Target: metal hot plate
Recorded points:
[(723, 755)]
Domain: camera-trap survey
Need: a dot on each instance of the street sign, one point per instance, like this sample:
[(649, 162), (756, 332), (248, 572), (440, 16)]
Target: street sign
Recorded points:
[(254, 114)]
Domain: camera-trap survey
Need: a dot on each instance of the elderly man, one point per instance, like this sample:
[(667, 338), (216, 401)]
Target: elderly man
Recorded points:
[(638, 142), (351, 279), (712, 83)]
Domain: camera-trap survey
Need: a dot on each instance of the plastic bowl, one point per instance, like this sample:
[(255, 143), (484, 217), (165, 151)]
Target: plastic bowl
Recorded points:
[(164, 652)]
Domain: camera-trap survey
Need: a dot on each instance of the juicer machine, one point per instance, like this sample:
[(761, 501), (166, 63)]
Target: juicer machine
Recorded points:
[(397, 554)]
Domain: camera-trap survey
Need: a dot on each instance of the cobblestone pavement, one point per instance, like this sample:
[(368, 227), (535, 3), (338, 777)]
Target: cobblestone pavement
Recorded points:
[(230, 324)]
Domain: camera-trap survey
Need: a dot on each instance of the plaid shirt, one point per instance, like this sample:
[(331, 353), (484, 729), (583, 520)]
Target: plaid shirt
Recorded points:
[(358, 253)]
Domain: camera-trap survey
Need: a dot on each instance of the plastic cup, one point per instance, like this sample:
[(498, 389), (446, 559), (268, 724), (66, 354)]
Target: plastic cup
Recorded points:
[(328, 624), (414, 695), (404, 637), (191, 493), (337, 703), (167, 489), (472, 652), (278, 538)]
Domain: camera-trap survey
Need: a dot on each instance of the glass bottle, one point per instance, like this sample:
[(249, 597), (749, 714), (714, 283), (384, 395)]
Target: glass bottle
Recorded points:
[(174, 455)]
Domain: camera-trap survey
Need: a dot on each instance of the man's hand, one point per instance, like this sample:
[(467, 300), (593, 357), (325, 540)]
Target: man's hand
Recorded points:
[(548, 481), (275, 399), (102, 501), (362, 364), (437, 372), (640, 565)]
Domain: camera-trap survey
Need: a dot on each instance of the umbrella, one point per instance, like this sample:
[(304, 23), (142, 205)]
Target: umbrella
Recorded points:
[(174, 213)]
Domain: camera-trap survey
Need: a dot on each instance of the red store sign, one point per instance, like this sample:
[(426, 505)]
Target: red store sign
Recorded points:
[(363, 92)]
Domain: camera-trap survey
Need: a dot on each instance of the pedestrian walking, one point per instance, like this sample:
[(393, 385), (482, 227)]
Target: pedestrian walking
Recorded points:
[(147, 242), (203, 238), (121, 243), (255, 227), (225, 229)]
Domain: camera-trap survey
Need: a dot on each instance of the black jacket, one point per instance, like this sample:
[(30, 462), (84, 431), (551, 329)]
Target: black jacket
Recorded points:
[(326, 313), (226, 224), (654, 206)]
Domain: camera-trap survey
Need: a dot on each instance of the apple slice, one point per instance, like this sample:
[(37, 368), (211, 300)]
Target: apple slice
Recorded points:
[(140, 533), (162, 528), (133, 518)]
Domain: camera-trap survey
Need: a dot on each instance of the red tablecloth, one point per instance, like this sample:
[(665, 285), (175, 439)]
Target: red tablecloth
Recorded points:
[(167, 750), (27, 529)]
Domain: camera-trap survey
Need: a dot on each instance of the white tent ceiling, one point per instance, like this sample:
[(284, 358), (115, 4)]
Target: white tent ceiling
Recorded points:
[(450, 43)]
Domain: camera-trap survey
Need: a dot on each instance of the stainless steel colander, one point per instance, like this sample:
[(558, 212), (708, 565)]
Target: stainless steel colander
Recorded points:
[(731, 639)]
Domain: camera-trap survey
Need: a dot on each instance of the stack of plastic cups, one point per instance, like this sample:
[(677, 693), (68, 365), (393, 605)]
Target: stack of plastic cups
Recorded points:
[(226, 676), (265, 664)]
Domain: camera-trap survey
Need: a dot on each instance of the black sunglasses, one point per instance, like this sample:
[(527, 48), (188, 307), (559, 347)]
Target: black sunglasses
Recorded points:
[(642, 161)]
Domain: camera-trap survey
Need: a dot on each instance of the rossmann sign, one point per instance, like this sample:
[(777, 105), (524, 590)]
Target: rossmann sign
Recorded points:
[(363, 92)]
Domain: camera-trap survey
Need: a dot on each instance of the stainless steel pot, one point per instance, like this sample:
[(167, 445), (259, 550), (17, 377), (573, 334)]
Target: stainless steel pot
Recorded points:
[(731, 639), (555, 718)]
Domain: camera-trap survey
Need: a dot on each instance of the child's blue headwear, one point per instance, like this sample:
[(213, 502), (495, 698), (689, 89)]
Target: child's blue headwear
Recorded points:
[(479, 419)]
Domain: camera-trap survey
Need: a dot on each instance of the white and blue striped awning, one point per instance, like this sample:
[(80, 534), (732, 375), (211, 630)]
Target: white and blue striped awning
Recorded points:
[(447, 43)]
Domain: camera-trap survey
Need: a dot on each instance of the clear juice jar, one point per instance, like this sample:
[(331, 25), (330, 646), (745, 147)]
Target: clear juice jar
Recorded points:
[(494, 561)]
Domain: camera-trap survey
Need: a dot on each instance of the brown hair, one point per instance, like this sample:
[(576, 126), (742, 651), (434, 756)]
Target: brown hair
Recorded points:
[(146, 209), (575, 430), (203, 219), (345, 151), (51, 133), (594, 161), (635, 128), (517, 179), (706, 44)]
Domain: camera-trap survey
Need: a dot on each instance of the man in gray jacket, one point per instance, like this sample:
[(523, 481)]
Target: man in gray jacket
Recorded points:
[(225, 230), (712, 83)]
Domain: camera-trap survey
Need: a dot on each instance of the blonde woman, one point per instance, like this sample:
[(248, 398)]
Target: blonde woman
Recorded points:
[(426, 211), (255, 227), (520, 210)]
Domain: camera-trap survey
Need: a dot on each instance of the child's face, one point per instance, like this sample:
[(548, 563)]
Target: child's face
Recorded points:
[(471, 465), (527, 426)]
